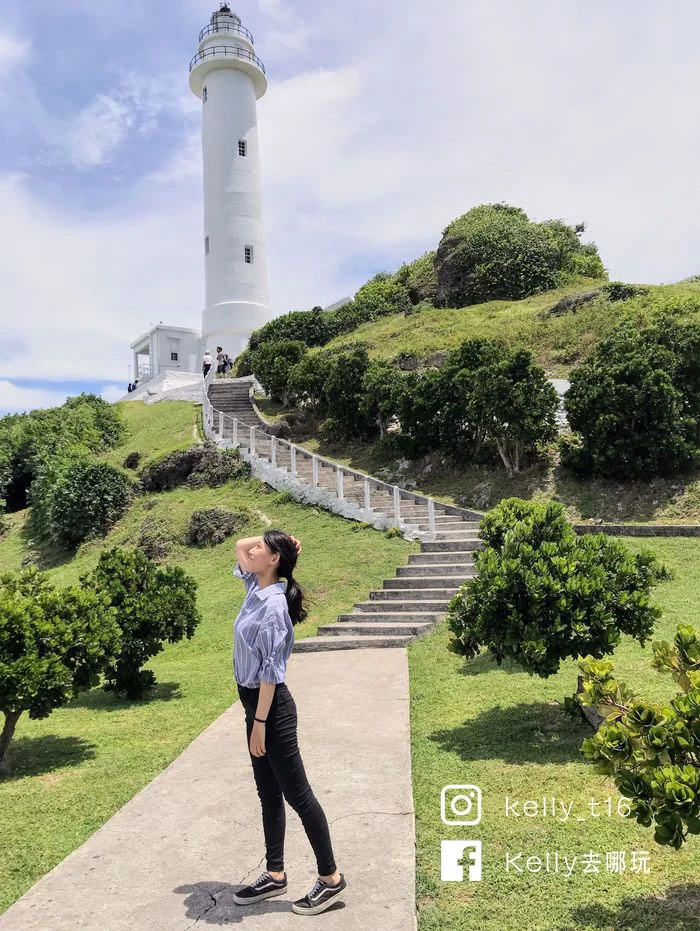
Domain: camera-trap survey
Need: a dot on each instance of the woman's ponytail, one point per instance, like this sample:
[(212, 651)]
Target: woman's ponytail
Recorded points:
[(280, 542), (295, 600)]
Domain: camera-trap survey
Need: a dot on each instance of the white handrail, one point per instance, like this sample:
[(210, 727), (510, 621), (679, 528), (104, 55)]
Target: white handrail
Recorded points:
[(369, 481)]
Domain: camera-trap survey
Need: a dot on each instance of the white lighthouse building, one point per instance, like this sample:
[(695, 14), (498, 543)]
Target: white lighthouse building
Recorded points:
[(229, 79)]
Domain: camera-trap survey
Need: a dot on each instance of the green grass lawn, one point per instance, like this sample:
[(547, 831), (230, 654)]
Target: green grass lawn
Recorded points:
[(500, 729), (73, 770), (471, 722)]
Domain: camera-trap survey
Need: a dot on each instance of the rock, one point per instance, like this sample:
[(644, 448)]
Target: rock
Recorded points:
[(480, 497), (403, 464), (571, 303), (280, 429), (437, 359)]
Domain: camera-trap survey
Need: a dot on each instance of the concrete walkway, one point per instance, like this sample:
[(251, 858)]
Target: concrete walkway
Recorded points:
[(173, 856)]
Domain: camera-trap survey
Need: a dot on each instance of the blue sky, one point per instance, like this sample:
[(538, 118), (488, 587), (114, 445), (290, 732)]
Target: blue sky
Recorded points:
[(382, 122)]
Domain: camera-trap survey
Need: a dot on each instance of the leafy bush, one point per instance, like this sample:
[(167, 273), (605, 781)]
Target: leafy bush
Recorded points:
[(307, 381), (348, 416), (211, 526), (272, 362), (75, 499), (494, 252), (380, 297), (544, 594), (155, 540), (619, 291), (309, 326), (651, 750), (53, 644), (84, 424), (419, 278), (151, 605), (198, 466), (634, 404)]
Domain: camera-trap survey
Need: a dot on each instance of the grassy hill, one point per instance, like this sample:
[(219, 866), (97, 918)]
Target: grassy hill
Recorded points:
[(73, 770), (471, 721), (557, 343)]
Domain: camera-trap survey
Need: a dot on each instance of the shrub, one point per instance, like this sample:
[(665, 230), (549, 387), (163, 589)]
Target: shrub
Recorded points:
[(378, 298), (419, 278), (307, 381), (155, 540), (651, 750), (85, 424), (151, 605), (308, 326), (633, 405), (348, 416), (198, 466), (544, 594), (53, 644), (272, 362), (493, 252), (619, 291), (76, 499), (211, 526)]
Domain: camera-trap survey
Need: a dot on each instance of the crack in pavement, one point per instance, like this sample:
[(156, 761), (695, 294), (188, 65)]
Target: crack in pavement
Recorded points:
[(212, 896)]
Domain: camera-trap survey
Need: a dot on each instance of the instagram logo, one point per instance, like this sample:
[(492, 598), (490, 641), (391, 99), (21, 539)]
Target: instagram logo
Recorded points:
[(454, 858), (464, 804)]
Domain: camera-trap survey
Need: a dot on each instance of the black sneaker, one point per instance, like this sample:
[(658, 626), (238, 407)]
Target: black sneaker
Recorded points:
[(321, 897), (263, 888)]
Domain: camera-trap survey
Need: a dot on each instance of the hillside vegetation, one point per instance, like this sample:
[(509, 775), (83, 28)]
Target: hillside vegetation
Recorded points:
[(72, 770)]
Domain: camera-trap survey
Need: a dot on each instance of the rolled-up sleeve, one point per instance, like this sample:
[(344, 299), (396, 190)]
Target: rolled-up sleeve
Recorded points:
[(250, 579), (269, 644)]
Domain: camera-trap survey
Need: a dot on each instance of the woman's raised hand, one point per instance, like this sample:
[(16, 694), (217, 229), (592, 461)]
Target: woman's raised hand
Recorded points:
[(296, 543)]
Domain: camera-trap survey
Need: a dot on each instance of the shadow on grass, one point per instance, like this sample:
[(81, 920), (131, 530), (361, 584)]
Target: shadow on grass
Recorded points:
[(212, 902), (35, 756), (43, 555), (534, 733), (485, 662), (99, 700), (675, 909)]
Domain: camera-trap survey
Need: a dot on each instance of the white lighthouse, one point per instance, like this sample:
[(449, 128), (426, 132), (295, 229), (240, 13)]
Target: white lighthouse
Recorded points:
[(229, 79)]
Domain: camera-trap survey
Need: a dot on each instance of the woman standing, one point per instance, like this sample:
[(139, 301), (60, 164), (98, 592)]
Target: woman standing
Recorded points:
[(263, 642)]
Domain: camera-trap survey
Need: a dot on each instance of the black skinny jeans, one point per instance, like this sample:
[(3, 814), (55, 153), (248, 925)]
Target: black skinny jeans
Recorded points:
[(279, 775)]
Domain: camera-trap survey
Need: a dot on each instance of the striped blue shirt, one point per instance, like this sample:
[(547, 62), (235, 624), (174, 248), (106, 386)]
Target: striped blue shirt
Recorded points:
[(263, 633)]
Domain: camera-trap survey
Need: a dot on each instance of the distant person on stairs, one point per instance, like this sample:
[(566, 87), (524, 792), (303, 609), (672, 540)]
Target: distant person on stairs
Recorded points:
[(263, 637), (220, 361), (207, 363)]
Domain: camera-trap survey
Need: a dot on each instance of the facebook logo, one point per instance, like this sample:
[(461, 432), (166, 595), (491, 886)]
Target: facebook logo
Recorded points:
[(455, 855)]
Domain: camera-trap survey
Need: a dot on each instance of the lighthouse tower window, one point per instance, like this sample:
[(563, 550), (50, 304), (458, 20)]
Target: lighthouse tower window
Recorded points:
[(206, 245), (204, 95), (249, 255), (242, 147)]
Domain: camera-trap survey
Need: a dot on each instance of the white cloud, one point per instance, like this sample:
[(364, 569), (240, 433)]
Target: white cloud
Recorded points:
[(18, 398), (12, 51)]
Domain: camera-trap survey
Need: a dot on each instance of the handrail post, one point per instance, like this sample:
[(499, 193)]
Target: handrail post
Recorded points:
[(252, 441), (273, 449), (431, 518), (235, 431), (339, 478), (368, 506), (314, 470), (221, 423), (397, 505), (293, 459)]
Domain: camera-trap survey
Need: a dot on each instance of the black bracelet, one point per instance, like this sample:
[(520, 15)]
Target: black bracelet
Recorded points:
[(262, 720)]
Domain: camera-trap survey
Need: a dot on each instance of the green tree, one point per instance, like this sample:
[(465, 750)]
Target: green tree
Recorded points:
[(544, 594), (53, 644), (633, 405), (152, 605), (651, 749), (74, 499), (272, 363)]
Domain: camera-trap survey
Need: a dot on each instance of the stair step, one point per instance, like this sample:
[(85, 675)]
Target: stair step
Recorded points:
[(430, 595), (363, 630), (437, 569), (393, 616), (447, 544), (315, 644), (463, 557), (407, 604), (424, 581)]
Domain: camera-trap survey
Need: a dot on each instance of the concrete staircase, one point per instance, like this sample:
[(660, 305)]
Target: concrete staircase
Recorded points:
[(416, 599)]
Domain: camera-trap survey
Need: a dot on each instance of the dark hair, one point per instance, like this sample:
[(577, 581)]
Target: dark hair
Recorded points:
[(280, 542)]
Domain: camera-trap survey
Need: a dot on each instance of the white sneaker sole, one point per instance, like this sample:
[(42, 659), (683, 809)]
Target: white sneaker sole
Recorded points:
[(317, 909), (258, 898)]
